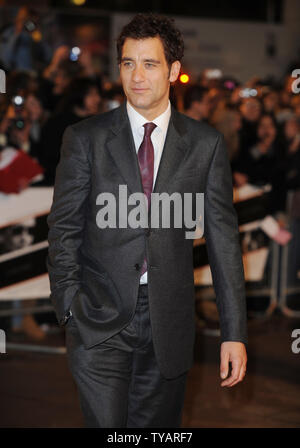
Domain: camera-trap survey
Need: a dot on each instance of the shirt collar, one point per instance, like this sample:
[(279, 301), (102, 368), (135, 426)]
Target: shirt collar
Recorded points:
[(137, 120)]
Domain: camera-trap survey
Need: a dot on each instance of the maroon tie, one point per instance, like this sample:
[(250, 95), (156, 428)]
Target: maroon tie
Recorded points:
[(146, 162)]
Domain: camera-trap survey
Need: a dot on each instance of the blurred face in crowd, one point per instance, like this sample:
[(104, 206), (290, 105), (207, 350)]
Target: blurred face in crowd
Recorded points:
[(295, 102), (236, 95), (146, 76), (291, 128), (227, 121), (33, 107), (251, 109), (203, 107), (285, 98), (236, 121), (61, 81), (271, 101), (266, 129), (215, 97), (92, 101)]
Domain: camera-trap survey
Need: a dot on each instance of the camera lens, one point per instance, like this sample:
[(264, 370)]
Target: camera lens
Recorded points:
[(19, 123)]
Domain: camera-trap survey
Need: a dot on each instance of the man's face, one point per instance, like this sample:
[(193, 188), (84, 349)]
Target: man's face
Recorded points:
[(145, 75)]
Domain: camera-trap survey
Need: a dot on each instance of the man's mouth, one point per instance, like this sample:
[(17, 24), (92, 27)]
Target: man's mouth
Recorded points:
[(139, 90)]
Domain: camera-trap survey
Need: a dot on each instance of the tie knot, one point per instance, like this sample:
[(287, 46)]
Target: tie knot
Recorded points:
[(149, 127)]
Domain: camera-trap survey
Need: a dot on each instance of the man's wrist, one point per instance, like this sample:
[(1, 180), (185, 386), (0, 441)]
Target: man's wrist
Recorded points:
[(232, 340)]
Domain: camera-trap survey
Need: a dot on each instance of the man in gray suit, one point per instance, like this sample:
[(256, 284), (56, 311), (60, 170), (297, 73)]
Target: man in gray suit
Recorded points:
[(125, 293)]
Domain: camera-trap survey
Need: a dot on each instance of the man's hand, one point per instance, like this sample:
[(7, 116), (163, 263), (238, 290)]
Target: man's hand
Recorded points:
[(234, 352)]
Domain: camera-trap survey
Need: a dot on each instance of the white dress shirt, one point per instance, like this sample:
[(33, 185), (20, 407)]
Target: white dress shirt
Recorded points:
[(158, 137)]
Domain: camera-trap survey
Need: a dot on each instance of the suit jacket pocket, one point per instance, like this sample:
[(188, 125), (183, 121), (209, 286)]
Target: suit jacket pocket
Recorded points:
[(95, 287)]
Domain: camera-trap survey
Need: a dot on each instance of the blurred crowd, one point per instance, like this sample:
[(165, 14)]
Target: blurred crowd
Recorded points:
[(45, 92), (260, 121)]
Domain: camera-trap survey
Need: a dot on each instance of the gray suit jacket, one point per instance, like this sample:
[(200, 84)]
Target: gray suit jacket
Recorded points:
[(95, 272)]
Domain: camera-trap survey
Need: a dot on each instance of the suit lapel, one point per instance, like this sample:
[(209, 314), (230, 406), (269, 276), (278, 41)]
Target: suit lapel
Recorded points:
[(122, 149), (173, 153)]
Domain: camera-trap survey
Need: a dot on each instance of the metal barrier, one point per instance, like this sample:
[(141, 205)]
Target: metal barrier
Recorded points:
[(265, 263), (23, 250), (290, 281), (261, 255)]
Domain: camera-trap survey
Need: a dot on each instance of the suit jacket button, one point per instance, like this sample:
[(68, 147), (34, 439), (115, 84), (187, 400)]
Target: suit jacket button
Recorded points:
[(137, 266)]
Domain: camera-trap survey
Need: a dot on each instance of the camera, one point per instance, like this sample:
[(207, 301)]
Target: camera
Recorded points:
[(30, 26), (74, 53), (18, 102), (248, 93)]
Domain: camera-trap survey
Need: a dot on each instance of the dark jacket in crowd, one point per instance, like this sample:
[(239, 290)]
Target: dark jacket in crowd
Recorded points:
[(51, 140), (268, 168)]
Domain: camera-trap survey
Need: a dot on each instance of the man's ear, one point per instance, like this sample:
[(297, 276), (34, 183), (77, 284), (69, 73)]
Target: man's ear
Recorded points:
[(175, 70)]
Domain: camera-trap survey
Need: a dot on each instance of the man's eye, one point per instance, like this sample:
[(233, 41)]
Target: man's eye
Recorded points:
[(149, 65), (127, 64)]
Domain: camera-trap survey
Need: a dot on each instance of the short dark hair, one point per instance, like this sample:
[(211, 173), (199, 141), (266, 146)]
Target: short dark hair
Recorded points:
[(75, 94), (193, 93), (154, 25)]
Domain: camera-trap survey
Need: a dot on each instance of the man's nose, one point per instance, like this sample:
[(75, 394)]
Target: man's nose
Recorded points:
[(138, 74)]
